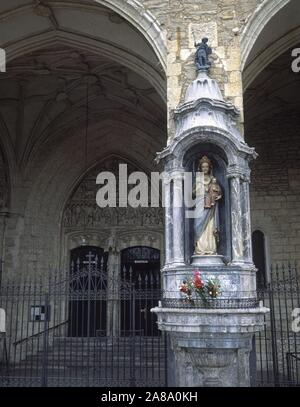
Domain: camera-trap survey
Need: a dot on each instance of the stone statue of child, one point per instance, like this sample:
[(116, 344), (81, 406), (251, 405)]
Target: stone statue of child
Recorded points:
[(214, 193)]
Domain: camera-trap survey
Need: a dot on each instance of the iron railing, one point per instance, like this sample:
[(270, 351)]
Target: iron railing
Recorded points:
[(293, 367), (279, 342), (83, 328)]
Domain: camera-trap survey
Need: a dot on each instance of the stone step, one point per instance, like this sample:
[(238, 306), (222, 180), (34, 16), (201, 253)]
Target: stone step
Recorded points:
[(102, 365), (89, 357)]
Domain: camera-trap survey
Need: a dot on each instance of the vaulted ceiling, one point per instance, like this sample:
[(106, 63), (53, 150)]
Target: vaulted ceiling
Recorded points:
[(58, 51), (32, 24), (274, 91), (44, 95)]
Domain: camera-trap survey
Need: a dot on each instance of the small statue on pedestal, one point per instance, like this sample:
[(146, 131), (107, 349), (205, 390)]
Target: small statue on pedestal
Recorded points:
[(201, 57)]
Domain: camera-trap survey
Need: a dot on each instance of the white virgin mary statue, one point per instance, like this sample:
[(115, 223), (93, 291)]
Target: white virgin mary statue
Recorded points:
[(206, 223)]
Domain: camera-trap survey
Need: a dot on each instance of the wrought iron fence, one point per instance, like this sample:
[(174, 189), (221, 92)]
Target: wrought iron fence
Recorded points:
[(278, 345), (293, 367), (83, 328)]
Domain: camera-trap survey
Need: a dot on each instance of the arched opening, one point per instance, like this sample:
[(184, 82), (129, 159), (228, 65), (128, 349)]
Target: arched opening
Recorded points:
[(127, 117), (84, 91), (272, 125), (271, 106), (270, 31)]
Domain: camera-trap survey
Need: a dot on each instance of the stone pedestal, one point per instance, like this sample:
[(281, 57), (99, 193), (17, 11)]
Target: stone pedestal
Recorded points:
[(211, 346), (211, 342), (207, 260)]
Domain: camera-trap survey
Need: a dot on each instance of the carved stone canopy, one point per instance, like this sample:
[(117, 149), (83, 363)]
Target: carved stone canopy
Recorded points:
[(205, 117)]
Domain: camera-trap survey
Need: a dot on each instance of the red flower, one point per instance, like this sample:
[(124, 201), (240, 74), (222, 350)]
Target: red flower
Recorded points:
[(198, 283), (184, 288)]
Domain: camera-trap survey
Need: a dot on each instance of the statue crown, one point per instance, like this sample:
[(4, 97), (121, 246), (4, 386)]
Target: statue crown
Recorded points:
[(205, 159)]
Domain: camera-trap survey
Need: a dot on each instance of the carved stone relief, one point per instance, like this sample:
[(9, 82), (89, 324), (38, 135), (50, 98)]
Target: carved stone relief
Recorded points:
[(82, 210)]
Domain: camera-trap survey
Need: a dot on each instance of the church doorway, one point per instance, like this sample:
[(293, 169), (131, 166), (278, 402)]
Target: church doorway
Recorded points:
[(140, 270), (88, 285)]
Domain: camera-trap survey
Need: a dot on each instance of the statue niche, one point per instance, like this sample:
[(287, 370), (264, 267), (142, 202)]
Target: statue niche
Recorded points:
[(206, 222)]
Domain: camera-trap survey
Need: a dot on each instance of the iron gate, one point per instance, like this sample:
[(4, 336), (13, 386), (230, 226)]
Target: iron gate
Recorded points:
[(68, 330), (278, 345)]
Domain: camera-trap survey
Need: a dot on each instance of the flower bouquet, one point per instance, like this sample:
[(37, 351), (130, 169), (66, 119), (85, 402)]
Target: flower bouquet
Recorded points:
[(203, 289)]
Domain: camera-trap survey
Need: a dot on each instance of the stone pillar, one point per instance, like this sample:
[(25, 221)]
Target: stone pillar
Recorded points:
[(246, 220), (178, 220), (168, 220), (236, 219)]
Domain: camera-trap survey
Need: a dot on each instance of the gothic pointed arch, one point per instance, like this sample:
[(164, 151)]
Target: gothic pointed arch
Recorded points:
[(112, 228), (272, 29)]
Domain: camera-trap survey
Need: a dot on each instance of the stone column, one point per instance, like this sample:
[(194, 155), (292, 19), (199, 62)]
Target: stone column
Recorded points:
[(236, 218), (247, 237), (178, 218), (168, 220)]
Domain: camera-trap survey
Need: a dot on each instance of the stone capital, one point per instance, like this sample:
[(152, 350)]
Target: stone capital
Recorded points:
[(236, 173)]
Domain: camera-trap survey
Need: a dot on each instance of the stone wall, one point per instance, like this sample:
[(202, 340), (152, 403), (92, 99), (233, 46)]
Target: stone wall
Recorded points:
[(272, 125), (221, 21), (275, 189)]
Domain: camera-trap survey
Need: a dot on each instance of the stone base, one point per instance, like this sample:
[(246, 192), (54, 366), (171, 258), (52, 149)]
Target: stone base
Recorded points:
[(214, 367), (210, 347), (235, 281), (207, 260)]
